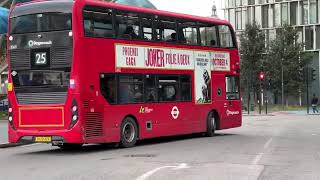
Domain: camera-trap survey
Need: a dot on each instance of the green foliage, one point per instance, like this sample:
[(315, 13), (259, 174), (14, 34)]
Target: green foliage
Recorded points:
[(252, 49), (286, 53)]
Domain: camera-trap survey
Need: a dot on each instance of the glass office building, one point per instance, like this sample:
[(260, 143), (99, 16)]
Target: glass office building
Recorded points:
[(304, 15)]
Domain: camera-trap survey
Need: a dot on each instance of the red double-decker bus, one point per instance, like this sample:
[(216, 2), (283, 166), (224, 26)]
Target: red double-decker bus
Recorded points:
[(89, 71)]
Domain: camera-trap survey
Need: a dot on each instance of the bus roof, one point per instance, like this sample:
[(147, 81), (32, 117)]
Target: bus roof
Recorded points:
[(155, 11)]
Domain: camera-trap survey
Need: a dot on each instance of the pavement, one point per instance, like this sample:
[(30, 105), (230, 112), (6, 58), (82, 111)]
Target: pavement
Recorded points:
[(280, 147), (3, 132)]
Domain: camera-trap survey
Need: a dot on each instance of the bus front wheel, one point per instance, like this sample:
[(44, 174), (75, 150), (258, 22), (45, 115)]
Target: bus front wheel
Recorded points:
[(129, 132), (211, 124)]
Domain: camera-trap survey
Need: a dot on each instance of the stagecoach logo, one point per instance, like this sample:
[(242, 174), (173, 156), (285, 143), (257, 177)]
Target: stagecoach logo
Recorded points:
[(32, 43), (232, 113), (145, 110), (175, 112)]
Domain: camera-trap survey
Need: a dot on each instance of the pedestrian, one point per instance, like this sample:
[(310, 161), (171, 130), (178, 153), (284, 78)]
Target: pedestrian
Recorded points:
[(314, 104)]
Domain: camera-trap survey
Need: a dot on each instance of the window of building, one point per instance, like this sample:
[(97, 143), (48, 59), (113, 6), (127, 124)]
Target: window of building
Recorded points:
[(313, 12), (309, 38), (98, 24), (265, 16), (300, 34), (169, 88), (284, 13), (294, 13), (209, 35), (238, 19), (244, 18), (304, 12), (271, 16), (250, 2), (232, 87), (258, 15), (317, 37), (226, 39), (277, 15), (128, 25)]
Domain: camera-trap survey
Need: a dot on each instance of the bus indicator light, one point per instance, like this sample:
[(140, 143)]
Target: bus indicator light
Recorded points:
[(9, 87)]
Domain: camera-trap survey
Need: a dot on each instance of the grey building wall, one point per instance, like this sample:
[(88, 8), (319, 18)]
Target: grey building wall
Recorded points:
[(304, 15)]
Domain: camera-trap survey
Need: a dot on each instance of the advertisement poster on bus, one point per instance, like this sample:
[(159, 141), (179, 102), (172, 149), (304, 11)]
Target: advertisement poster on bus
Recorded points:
[(148, 57), (202, 73)]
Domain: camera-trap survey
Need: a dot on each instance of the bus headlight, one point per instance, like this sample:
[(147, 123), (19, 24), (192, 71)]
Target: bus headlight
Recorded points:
[(10, 119), (74, 114)]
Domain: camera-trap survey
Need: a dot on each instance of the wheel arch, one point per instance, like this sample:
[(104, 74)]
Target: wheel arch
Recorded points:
[(135, 120)]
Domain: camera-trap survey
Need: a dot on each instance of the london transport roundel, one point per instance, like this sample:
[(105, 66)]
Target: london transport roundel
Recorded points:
[(175, 112)]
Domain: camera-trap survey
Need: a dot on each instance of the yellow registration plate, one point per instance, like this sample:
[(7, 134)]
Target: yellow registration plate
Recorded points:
[(43, 139)]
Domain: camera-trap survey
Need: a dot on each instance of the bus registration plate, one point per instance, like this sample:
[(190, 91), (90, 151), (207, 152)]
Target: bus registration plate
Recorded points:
[(43, 139)]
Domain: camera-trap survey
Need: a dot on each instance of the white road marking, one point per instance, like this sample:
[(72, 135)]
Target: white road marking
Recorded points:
[(267, 144), (150, 173), (259, 156), (257, 159)]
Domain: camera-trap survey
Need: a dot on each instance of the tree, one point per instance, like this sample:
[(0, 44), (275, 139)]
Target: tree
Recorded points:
[(252, 49), (285, 60)]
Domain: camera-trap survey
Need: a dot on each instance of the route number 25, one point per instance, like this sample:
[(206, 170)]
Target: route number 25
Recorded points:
[(41, 58)]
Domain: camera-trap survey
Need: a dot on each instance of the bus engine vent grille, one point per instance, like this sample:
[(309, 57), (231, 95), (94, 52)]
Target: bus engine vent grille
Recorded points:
[(20, 59), (61, 57), (42, 98), (86, 104), (93, 125)]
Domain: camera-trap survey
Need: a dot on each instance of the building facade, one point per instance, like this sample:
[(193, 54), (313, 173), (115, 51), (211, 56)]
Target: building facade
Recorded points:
[(304, 15)]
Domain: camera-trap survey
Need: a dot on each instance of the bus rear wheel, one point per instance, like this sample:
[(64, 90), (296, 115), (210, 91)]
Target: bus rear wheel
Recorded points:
[(211, 124), (129, 133)]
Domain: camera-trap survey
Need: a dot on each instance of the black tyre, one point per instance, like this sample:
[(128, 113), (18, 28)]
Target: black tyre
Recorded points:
[(129, 132), (69, 146), (211, 124)]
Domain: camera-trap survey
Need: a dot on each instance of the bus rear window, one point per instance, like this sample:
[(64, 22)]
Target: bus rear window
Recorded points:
[(232, 87), (226, 40), (40, 23)]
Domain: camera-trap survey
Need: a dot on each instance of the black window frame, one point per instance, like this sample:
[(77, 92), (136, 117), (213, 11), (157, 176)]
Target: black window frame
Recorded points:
[(155, 17), (144, 76)]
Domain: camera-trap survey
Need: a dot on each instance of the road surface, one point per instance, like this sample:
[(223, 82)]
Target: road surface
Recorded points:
[(282, 147)]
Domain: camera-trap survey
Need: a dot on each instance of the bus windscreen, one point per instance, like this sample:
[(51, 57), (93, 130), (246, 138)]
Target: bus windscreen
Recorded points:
[(46, 22)]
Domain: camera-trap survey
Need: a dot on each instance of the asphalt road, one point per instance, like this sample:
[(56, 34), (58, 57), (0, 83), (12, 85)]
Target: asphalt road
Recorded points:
[(282, 147)]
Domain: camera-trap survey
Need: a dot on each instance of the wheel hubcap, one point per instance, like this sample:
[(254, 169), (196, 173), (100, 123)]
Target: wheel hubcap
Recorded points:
[(128, 132)]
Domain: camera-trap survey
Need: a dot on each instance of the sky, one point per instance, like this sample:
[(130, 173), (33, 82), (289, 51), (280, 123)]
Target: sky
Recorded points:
[(193, 7)]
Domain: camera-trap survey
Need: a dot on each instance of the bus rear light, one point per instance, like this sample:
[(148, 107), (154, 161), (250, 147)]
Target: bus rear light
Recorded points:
[(74, 117), (72, 84), (74, 108), (74, 114)]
